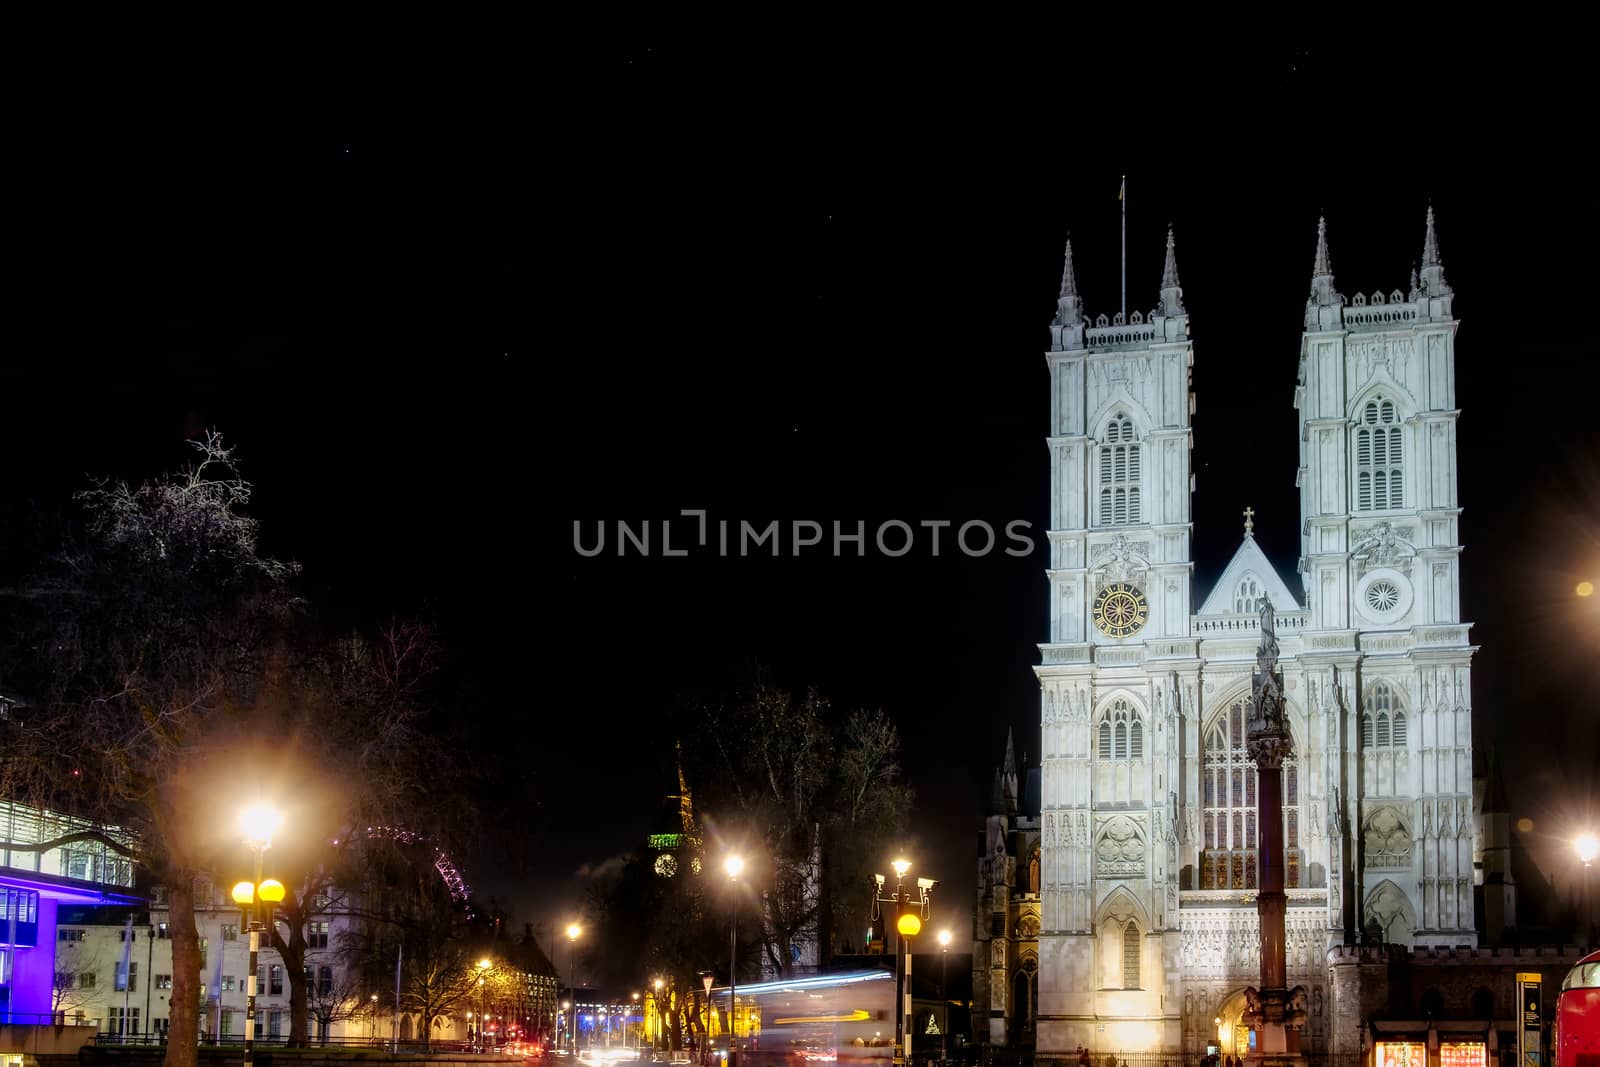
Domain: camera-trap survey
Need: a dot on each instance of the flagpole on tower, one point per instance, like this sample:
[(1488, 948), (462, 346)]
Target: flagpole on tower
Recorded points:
[(1122, 197)]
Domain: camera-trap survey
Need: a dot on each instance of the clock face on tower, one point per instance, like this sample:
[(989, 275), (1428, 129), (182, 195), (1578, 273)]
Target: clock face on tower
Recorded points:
[(1120, 610)]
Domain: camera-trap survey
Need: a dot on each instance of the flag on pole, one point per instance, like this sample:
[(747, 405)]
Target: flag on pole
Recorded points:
[(124, 1025), (1122, 192), (216, 976), (127, 951)]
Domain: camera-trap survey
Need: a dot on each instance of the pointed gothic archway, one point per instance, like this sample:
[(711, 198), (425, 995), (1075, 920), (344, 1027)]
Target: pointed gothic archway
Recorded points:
[(1232, 1036)]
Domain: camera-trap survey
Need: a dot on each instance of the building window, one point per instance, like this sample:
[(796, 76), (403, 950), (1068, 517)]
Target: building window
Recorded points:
[(1383, 723), (317, 934), (75, 865), (1247, 598), (230, 931), (163, 981), (229, 983), (86, 980), (1130, 956), (161, 931), (124, 1022), (64, 979), (275, 1024), (1121, 733), (1380, 467), (1228, 789), (227, 1022), (126, 977), (1120, 474), (275, 980), (324, 982), (205, 945), (69, 935)]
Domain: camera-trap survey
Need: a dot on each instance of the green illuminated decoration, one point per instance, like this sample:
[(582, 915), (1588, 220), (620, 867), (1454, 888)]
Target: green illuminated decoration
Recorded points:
[(666, 841)]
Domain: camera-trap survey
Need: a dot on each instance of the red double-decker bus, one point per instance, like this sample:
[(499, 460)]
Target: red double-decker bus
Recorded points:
[(1577, 1036)]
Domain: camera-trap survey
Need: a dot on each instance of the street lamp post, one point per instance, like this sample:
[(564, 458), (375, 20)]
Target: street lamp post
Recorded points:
[(573, 930), (944, 1002), (707, 979), (910, 911), (734, 865), (372, 1021), (1588, 847), (483, 1004), (259, 822), (661, 1027)]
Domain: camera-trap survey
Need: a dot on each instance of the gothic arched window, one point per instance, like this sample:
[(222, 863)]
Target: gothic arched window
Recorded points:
[(1228, 789), (1380, 463), (1121, 733), (1130, 955), (1120, 775), (1383, 724), (1120, 474), (1247, 597)]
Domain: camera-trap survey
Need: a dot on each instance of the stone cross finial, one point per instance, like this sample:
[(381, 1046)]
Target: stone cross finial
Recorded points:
[(1249, 524)]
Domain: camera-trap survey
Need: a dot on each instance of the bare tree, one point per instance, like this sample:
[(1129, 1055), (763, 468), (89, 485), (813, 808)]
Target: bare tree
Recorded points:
[(339, 998), (412, 914), (377, 692), (67, 992), (150, 630), (173, 660), (823, 798)]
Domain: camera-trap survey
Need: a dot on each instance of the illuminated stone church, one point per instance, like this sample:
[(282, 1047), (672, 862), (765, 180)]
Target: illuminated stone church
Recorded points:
[(1146, 830)]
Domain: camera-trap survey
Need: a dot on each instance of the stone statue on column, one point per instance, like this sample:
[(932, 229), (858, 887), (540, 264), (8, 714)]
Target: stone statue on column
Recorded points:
[(1275, 1011)]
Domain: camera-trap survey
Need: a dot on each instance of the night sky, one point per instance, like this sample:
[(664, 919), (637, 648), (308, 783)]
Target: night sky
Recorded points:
[(447, 304)]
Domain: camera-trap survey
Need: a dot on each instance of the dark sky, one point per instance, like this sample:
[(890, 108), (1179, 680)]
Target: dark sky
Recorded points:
[(451, 297)]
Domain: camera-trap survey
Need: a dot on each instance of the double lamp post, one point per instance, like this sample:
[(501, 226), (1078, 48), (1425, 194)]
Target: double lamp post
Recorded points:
[(910, 911), (259, 823)]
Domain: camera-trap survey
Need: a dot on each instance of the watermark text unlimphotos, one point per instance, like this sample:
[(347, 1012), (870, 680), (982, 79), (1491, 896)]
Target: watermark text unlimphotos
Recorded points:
[(694, 532)]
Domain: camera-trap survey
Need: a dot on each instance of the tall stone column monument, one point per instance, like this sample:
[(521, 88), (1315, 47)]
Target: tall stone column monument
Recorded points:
[(1276, 1012)]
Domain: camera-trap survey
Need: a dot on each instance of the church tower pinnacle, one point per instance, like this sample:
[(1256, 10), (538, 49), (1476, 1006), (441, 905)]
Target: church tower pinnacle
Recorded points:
[(1171, 290), (1322, 307), (1433, 283), (1066, 332)]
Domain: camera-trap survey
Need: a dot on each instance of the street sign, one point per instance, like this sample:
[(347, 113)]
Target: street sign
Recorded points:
[(1530, 1048)]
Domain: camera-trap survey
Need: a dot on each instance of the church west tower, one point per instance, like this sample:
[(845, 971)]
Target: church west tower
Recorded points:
[(1148, 825), (1120, 651)]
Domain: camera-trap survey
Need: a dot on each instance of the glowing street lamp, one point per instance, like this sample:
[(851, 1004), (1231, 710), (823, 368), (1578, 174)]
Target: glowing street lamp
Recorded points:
[(258, 823), (1587, 846), (660, 1034), (573, 932), (734, 865), (910, 911), (483, 1003)]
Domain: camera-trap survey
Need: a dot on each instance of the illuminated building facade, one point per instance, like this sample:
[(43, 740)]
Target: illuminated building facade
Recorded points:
[(1147, 835), (36, 885), (1005, 927)]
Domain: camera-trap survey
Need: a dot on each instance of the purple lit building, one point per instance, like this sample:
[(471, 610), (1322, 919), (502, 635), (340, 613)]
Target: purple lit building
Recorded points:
[(34, 884)]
